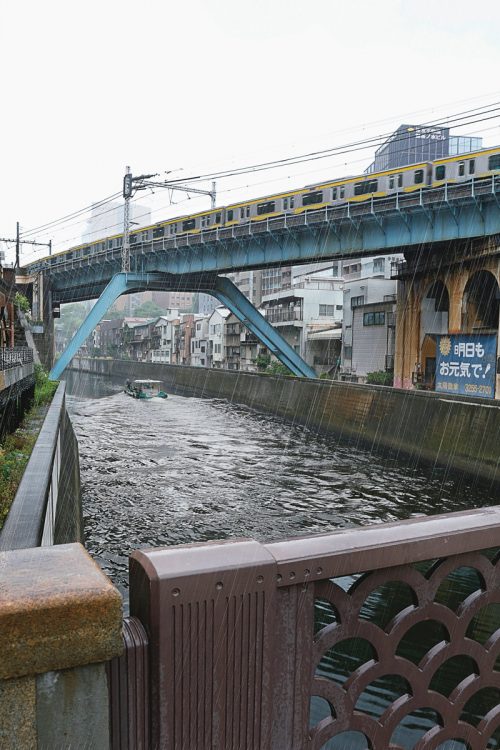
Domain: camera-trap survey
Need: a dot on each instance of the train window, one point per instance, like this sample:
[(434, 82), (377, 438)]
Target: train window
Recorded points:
[(494, 162), (188, 224), (461, 168), (109, 244), (342, 191), (334, 194), (292, 202), (367, 186), (242, 213), (440, 172), (419, 176), (173, 229), (310, 199), (285, 204), (144, 236), (248, 211), (472, 166), (400, 180), (158, 232), (229, 215), (265, 208), (391, 182), (133, 239), (217, 218)]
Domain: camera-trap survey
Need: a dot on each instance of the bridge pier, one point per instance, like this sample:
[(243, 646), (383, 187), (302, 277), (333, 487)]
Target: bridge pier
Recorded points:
[(218, 286)]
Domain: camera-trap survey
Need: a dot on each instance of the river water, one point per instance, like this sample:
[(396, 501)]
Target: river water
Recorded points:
[(189, 469)]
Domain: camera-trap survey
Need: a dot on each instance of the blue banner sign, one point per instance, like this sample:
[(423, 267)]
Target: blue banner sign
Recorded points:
[(466, 364)]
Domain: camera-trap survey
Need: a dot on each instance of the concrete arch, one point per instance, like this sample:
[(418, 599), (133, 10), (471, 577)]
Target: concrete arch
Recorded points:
[(480, 302)]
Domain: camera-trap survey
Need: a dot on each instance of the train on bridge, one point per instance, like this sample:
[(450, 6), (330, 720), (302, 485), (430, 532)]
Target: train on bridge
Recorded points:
[(473, 166)]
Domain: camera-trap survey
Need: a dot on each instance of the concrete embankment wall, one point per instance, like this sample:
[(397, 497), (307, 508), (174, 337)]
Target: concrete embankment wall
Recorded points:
[(460, 434)]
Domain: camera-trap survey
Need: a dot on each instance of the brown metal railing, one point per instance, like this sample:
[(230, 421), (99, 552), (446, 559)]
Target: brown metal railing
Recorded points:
[(244, 638)]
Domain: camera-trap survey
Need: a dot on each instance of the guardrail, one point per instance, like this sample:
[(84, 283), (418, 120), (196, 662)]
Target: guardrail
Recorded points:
[(292, 644), (14, 356), (47, 508)]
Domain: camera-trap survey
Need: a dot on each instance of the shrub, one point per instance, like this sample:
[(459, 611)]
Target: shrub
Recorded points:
[(380, 377), (44, 388), (22, 302)]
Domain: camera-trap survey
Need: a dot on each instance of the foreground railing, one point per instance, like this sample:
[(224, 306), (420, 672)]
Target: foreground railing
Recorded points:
[(380, 637)]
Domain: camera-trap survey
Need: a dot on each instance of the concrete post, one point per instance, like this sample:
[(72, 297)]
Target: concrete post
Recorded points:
[(60, 621)]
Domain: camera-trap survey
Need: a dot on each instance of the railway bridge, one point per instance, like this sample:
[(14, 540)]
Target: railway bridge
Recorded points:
[(453, 220)]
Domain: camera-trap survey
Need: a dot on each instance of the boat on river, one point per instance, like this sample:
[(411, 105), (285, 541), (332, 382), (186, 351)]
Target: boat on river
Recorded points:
[(145, 389)]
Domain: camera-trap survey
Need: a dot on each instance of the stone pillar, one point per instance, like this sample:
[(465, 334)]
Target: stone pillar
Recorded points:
[(407, 335), (60, 622), (456, 285)]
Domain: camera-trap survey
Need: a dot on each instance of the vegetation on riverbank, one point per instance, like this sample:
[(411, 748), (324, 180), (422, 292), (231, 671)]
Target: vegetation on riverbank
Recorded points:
[(16, 448)]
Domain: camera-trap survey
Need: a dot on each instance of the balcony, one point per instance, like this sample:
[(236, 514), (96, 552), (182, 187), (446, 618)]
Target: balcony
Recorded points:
[(283, 315)]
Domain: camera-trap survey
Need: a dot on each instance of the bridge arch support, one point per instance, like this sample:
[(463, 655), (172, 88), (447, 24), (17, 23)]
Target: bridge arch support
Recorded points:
[(218, 286)]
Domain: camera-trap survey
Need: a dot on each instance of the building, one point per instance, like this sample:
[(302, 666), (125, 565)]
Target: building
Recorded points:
[(411, 144), (217, 337), (166, 327), (312, 304), (200, 342), (108, 219), (368, 342), (249, 283)]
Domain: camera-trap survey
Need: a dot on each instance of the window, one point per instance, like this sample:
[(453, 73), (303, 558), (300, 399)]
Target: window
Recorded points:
[(188, 224), (158, 232), (265, 208), (400, 180), (230, 215), (494, 162), (309, 199), (391, 182), (217, 218), (374, 319), (419, 176), (342, 191), (334, 194), (367, 186), (326, 310), (347, 352), (292, 201), (440, 172), (461, 168), (357, 301), (378, 264), (242, 213), (248, 211), (338, 307), (285, 204), (472, 166)]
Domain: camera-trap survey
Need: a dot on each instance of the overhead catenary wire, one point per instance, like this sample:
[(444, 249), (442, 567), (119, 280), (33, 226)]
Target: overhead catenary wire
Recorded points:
[(484, 113)]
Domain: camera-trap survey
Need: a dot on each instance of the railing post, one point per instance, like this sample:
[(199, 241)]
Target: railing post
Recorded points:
[(209, 611)]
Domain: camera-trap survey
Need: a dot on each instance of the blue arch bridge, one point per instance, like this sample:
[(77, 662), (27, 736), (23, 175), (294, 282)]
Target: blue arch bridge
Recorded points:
[(427, 220)]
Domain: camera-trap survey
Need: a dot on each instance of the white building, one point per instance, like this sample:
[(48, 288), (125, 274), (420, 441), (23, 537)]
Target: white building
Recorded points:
[(199, 342), (313, 304), (217, 337), (368, 323), (165, 329), (108, 220)]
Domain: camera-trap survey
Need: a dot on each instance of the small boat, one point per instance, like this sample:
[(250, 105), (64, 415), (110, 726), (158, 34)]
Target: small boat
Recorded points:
[(144, 389)]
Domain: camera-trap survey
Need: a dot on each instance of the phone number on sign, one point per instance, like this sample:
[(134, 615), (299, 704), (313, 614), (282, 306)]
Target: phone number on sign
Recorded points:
[(473, 388)]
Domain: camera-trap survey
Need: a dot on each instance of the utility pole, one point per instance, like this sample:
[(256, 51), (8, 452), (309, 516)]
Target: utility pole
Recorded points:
[(131, 185), (20, 242), (127, 194), (17, 245)]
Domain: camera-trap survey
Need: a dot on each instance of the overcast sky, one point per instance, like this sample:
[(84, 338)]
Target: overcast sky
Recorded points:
[(88, 88)]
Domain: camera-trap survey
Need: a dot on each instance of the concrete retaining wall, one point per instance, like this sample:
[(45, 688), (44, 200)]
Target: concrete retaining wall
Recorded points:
[(460, 434)]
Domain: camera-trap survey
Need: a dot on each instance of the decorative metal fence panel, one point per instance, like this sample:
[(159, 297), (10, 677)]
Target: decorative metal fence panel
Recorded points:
[(384, 637)]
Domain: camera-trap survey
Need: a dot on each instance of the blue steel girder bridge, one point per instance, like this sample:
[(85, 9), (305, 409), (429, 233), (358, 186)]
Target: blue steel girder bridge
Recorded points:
[(423, 219)]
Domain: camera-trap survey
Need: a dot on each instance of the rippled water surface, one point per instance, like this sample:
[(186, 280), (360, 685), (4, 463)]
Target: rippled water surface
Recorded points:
[(189, 469)]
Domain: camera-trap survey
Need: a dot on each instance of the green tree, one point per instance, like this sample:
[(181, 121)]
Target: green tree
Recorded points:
[(380, 377), (72, 316), (149, 309)]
